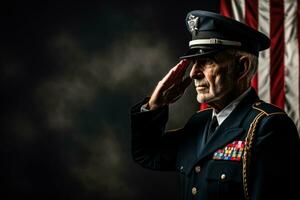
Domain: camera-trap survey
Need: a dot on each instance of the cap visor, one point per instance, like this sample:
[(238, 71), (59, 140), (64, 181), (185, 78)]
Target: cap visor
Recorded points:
[(198, 53)]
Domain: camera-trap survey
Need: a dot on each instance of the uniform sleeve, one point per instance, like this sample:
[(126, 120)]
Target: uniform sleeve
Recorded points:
[(151, 146), (275, 163)]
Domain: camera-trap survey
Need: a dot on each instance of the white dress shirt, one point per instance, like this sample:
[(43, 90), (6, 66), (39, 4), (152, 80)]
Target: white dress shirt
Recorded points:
[(225, 112)]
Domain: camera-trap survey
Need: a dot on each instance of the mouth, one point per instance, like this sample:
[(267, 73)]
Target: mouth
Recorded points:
[(201, 87)]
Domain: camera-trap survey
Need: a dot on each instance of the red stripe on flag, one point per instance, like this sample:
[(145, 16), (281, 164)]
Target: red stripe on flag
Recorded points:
[(277, 53), (225, 8), (251, 18)]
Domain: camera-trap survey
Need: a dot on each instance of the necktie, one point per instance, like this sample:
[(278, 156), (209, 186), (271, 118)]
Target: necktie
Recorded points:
[(212, 127)]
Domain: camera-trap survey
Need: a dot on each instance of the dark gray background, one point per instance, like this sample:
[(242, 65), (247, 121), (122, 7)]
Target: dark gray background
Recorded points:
[(69, 74)]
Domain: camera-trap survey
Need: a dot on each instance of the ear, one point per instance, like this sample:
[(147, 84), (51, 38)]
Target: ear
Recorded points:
[(243, 68)]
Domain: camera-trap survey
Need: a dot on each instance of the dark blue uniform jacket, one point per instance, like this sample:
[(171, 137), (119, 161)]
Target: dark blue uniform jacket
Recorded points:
[(212, 170)]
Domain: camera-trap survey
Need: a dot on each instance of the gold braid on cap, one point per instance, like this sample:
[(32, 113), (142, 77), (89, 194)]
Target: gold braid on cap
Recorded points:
[(247, 153)]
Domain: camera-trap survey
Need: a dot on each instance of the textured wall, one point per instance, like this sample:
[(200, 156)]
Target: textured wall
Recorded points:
[(69, 74)]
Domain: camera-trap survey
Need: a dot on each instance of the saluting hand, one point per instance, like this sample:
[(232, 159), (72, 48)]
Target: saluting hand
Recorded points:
[(171, 87)]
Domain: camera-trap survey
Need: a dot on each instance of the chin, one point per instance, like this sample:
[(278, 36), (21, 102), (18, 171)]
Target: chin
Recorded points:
[(202, 99)]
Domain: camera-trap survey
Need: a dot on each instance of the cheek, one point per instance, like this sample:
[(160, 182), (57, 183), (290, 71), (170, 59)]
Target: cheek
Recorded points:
[(214, 79), (221, 82), (217, 84), (210, 76), (219, 79), (225, 82)]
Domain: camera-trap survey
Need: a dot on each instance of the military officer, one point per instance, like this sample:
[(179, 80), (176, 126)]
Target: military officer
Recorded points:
[(240, 147)]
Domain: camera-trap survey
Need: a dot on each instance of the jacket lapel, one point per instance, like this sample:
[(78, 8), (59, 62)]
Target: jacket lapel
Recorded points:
[(195, 131), (229, 130)]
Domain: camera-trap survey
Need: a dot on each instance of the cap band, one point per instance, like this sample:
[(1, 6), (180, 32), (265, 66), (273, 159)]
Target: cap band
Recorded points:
[(214, 41)]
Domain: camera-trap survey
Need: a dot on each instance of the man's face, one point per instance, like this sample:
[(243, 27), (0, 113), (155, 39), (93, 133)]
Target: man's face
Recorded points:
[(214, 78)]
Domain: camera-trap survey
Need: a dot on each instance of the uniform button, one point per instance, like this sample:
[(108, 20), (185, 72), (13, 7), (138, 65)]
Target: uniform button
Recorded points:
[(223, 176), (198, 169), (194, 190), (181, 168)]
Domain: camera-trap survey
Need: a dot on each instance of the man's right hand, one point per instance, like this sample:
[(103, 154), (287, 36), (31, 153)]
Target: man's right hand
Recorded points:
[(171, 87)]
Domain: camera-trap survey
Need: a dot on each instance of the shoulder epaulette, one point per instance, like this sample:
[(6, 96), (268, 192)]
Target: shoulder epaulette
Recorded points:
[(268, 109)]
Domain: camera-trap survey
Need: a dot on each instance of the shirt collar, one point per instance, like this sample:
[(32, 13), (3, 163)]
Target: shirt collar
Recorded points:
[(225, 112)]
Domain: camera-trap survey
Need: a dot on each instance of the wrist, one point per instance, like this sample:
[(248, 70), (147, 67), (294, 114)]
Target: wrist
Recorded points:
[(152, 106)]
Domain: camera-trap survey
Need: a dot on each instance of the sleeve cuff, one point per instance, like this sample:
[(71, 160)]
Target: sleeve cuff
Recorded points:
[(144, 108)]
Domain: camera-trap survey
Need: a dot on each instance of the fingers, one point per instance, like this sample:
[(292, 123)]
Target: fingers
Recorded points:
[(169, 77), (171, 87), (175, 92), (176, 74), (180, 69)]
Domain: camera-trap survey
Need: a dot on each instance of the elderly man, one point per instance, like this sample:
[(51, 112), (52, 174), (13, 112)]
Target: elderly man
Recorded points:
[(238, 148)]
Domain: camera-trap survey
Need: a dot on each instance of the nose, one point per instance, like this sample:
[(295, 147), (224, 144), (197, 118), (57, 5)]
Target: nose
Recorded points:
[(196, 72)]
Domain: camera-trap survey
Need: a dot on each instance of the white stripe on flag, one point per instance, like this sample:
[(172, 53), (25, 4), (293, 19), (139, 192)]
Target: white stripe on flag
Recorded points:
[(291, 60), (264, 56), (238, 10)]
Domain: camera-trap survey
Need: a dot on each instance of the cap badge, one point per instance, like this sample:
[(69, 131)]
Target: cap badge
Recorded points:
[(193, 23)]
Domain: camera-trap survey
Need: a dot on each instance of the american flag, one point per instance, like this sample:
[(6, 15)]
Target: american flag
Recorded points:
[(277, 79)]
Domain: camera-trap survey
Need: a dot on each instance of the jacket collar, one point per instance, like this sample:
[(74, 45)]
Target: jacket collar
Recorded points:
[(229, 130), (225, 112)]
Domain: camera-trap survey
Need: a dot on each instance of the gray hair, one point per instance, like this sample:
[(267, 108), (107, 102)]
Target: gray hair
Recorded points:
[(236, 55), (253, 62)]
